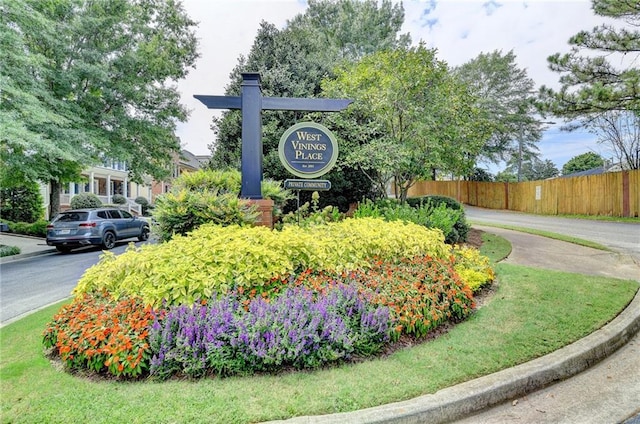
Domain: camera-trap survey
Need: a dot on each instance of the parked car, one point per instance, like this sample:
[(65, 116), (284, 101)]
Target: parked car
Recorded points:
[(100, 226)]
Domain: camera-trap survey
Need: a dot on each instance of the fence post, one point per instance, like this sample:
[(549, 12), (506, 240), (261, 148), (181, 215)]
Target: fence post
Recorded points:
[(626, 207), (506, 196)]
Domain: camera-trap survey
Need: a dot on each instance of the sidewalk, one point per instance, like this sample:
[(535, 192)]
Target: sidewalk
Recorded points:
[(600, 374), (29, 246)]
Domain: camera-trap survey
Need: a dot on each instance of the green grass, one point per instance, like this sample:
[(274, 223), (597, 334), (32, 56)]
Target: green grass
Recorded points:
[(533, 312), (602, 218), (494, 247), (548, 234)]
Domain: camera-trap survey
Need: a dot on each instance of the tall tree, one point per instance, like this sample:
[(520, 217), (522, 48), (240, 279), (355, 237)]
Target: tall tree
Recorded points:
[(292, 63), (505, 93), (83, 81), (620, 131), (582, 162), (533, 169), (426, 118), (601, 72)]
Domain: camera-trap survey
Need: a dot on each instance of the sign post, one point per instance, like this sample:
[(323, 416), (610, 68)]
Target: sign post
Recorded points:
[(252, 104)]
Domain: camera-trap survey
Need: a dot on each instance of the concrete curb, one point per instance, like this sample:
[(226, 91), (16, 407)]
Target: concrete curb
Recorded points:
[(20, 256), (462, 400)]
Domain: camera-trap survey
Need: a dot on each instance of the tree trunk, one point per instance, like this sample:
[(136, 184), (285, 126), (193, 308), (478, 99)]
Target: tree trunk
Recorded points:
[(54, 198)]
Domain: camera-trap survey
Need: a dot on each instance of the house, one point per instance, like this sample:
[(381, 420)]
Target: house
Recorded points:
[(112, 177), (608, 167), (184, 162)]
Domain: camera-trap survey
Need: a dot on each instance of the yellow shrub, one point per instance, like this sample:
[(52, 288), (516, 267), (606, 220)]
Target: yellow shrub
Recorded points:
[(472, 267), (214, 259)]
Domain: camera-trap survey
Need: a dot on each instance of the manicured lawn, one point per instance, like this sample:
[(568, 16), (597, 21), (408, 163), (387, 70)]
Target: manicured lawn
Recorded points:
[(549, 234), (532, 312)]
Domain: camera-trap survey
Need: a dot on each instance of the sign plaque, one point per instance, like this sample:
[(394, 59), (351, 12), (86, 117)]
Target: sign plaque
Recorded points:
[(311, 185), (308, 150)]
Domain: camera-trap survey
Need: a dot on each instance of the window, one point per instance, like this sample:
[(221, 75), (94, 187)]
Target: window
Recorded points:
[(126, 215), (73, 216), (114, 214)]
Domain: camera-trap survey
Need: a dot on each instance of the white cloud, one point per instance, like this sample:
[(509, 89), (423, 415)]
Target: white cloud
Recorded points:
[(459, 29)]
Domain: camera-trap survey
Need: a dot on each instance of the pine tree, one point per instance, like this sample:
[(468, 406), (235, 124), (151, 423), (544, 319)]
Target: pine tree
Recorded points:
[(601, 72)]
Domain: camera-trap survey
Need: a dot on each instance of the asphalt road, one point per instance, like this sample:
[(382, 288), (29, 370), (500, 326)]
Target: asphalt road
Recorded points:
[(619, 236), (29, 284)]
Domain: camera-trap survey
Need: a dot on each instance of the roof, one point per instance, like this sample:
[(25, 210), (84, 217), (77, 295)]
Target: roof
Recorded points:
[(190, 160), (593, 171)]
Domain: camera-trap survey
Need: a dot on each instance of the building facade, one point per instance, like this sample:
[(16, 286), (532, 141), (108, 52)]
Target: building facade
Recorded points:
[(112, 177)]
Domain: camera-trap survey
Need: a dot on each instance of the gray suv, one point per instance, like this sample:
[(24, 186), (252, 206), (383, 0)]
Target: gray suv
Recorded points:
[(101, 226)]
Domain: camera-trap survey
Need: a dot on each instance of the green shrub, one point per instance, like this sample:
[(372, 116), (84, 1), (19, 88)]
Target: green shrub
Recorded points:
[(182, 212), (460, 229), (209, 180), (216, 259), (144, 203), (311, 214), (429, 214), (435, 199), (36, 229), (207, 196), (118, 199), (85, 200), (8, 250), (21, 203)]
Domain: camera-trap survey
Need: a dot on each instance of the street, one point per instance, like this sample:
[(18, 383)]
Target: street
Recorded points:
[(32, 283), (623, 237)]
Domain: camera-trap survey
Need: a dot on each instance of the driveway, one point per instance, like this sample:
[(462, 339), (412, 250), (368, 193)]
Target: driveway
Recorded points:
[(622, 237)]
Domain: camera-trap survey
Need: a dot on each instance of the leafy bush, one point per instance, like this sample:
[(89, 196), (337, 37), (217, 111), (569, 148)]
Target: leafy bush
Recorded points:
[(8, 250), (472, 267), (21, 203), (85, 200), (460, 230), (298, 329), (36, 229), (216, 259), (311, 214), (208, 196), (98, 333), (239, 300), (436, 200), (144, 203), (228, 181), (182, 212), (429, 214), (118, 199)]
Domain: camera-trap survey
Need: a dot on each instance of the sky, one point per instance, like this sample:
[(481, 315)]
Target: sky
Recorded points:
[(459, 29)]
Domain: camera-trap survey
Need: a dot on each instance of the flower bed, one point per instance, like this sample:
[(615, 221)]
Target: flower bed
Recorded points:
[(299, 309)]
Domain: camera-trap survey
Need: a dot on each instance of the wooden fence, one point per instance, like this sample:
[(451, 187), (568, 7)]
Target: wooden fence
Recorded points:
[(610, 194)]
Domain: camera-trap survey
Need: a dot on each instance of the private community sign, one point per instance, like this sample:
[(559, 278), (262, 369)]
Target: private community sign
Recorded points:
[(308, 150)]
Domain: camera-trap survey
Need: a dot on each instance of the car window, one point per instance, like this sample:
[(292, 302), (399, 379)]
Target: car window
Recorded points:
[(126, 215), (72, 216), (103, 214), (114, 214)]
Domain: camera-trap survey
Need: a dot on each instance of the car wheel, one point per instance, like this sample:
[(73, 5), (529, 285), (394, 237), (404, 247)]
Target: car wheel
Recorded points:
[(109, 240), (144, 234), (63, 249)]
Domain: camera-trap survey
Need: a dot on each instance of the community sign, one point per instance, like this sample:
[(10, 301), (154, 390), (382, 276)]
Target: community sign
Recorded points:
[(308, 150)]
